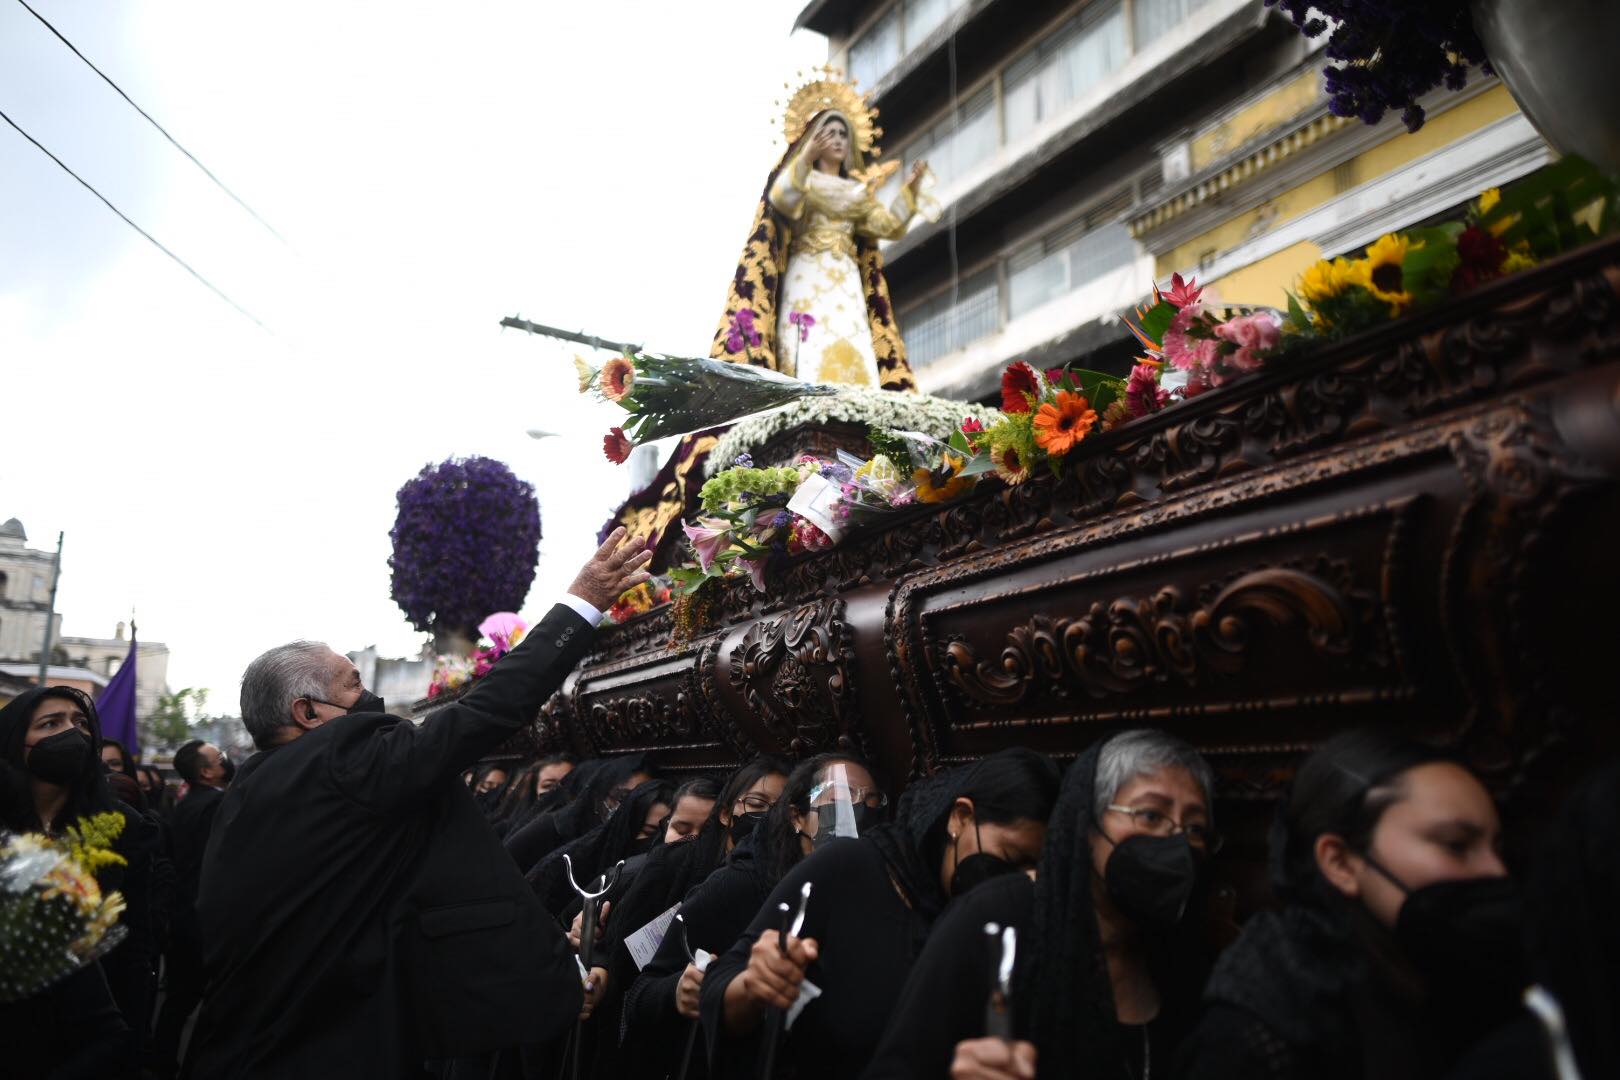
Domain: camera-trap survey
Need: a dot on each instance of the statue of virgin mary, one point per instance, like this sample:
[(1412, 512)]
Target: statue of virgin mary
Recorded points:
[(809, 298)]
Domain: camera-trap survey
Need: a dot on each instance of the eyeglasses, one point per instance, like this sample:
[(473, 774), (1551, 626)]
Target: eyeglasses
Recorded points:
[(1158, 823), (753, 804), (873, 797)]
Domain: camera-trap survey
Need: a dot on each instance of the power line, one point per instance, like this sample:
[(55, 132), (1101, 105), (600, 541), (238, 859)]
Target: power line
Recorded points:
[(183, 264), (206, 171)]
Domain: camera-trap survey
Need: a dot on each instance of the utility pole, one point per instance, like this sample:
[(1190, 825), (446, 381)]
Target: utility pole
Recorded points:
[(50, 612), (590, 340)]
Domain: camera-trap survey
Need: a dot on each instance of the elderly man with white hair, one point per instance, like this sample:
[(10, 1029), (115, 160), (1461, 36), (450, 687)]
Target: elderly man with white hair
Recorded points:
[(359, 916)]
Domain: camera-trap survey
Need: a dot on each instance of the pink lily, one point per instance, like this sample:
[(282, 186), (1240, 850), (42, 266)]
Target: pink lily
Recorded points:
[(709, 538), (756, 572)]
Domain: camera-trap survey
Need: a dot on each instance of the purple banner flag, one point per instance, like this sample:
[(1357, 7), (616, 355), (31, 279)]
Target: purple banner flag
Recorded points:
[(117, 703)]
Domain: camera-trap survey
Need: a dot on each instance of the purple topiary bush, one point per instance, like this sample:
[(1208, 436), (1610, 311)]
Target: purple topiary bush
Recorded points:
[(1389, 53), (466, 542)]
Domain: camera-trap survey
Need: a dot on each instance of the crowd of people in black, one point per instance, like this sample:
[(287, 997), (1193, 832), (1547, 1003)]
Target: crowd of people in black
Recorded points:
[(370, 897)]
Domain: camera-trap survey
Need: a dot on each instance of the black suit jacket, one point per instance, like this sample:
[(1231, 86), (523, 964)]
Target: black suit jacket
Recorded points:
[(189, 827), (358, 913)]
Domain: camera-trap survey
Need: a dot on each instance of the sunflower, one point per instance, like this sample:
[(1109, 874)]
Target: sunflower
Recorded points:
[(618, 378), (1011, 466), (1060, 424), (1383, 265), (942, 484), (1327, 279)]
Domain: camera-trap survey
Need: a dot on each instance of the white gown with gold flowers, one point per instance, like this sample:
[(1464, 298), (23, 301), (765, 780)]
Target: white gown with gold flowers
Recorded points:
[(827, 213)]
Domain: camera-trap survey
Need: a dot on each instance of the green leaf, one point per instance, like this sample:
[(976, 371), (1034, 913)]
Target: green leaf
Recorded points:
[(1298, 321), (1426, 271), (981, 463), (1100, 388), (959, 443), (1158, 319)]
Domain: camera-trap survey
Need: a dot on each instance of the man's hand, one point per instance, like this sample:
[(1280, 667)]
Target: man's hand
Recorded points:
[(595, 988), (576, 929), (612, 570), (773, 979), (686, 992), (993, 1059)]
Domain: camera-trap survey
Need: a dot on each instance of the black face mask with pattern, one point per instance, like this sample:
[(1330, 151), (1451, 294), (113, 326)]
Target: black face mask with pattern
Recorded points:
[(60, 758)]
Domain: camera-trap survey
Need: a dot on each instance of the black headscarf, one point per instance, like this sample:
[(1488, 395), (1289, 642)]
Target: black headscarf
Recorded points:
[(1064, 988), (911, 844), (87, 795), (597, 850), (1574, 943)]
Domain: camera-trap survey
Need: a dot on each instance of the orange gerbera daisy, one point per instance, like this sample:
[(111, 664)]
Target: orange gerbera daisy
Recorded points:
[(618, 378), (1060, 424)]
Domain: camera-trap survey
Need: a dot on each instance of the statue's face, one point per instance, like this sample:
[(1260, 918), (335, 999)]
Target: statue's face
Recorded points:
[(837, 144)]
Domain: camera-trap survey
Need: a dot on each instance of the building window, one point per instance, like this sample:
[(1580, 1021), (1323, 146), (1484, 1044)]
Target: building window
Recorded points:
[(1087, 49), (936, 327), (923, 16), (1152, 19), (960, 141), (877, 50), (1065, 260), (4, 581), (896, 32)]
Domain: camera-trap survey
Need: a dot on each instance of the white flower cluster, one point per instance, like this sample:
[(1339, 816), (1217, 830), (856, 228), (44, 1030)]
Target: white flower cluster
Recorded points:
[(857, 405)]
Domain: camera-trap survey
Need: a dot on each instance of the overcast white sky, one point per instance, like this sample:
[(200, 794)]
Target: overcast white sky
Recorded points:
[(434, 167)]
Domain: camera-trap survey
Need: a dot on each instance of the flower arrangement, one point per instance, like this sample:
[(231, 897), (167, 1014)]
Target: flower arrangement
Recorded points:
[(1558, 208), (672, 395), (54, 918), (466, 542), (751, 517), (453, 671), (639, 600), (866, 406), (1044, 416), (1384, 56)]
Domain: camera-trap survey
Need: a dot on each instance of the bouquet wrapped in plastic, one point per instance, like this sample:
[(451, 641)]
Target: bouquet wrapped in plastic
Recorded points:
[(753, 515), (54, 918), (674, 395)]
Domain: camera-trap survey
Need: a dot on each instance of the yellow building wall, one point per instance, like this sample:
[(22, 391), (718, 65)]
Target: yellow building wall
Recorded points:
[(1263, 282)]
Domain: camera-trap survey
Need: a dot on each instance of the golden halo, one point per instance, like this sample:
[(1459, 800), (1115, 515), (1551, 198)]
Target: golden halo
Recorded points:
[(825, 89)]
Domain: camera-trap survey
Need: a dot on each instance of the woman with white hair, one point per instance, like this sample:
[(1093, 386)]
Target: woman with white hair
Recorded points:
[(1106, 981)]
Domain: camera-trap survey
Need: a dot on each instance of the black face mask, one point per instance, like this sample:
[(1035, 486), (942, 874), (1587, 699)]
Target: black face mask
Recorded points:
[(977, 868), (367, 702), (639, 846), (743, 825), (60, 758), (1463, 935), (1151, 878)]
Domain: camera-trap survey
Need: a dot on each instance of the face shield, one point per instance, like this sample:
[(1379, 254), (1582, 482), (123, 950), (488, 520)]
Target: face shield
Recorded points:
[(843, 809)]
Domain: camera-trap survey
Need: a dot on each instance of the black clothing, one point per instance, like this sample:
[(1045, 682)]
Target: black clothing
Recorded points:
[(145, 880), (714, 912), (596, 852), (71, 1030), (868, 938), (190, 825), (357, 911), (1307, 993), (945, 999)]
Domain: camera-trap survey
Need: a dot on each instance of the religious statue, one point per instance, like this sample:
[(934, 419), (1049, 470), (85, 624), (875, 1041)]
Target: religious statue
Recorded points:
[(809, 298)]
